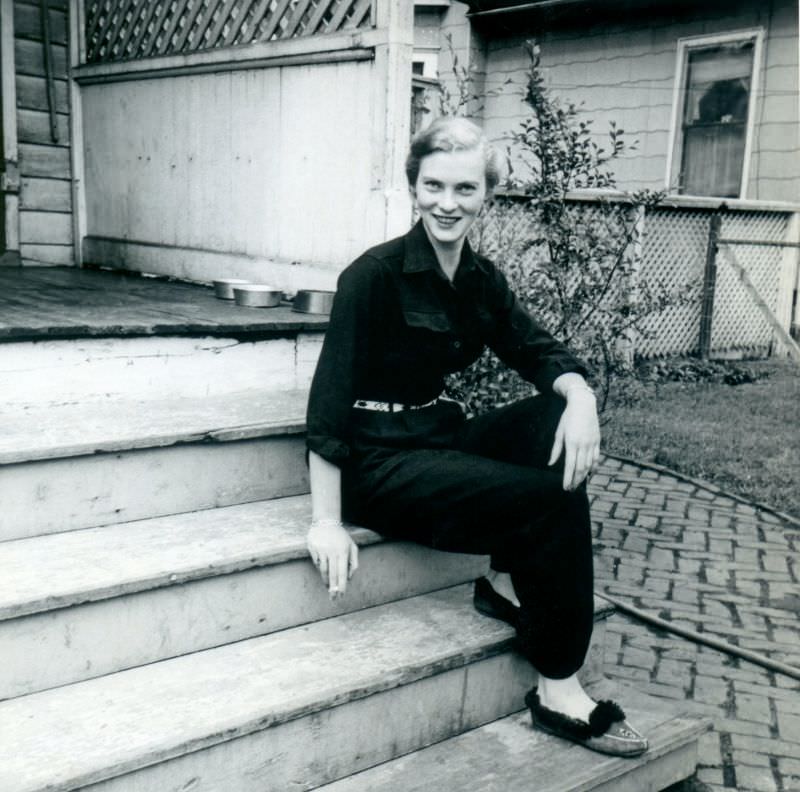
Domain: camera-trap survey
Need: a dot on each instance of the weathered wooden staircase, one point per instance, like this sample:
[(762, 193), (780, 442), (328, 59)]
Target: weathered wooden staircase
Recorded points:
[(162, 629)]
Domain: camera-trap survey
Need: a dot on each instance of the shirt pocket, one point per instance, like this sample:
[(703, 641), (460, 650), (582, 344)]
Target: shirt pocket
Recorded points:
[(437, 321)]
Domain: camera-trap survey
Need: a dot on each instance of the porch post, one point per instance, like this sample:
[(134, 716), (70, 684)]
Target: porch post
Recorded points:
[(9, 161), (392, 119), (77, 52)]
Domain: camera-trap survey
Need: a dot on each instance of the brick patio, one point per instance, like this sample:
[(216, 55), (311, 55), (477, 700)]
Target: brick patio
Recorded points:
[(687, 552)]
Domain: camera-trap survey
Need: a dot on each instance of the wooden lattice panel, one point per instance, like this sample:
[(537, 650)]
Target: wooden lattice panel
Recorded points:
[(738, 323), (673, 254), (132, 29)]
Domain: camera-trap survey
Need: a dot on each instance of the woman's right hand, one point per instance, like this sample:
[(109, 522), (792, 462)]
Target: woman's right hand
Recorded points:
[(334, 554)]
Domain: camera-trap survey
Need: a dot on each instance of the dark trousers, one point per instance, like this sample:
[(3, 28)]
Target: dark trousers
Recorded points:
[(483, 486)]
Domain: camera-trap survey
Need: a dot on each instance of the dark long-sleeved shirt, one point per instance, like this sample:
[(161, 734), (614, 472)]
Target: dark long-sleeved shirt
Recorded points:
[(398, 326)]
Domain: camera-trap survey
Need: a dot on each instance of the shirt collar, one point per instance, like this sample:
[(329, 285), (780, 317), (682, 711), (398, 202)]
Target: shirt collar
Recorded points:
[(421, 257)]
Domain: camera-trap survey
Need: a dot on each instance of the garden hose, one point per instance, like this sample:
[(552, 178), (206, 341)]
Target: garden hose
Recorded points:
[(706, 640)]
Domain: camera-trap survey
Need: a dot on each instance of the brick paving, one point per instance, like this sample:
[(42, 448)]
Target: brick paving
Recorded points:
[(693, 555)]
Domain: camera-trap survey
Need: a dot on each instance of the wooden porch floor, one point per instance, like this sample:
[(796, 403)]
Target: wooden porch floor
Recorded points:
[(60, 302)]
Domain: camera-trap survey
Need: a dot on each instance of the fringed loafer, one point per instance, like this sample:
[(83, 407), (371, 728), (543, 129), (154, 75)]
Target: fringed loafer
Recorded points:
[(490, 603), (607, 730)]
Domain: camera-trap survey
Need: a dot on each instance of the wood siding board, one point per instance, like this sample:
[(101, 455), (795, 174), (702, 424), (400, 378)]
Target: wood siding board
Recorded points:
[(49, 255), (32, 94), (34, 127), (51, 195), (297, 16), (28, 24), (63, 5), (46, 161), (224, 17), (272, 25), (38, 227), (29, 56)]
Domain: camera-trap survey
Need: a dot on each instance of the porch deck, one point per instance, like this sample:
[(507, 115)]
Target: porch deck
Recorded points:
[(60, 302)]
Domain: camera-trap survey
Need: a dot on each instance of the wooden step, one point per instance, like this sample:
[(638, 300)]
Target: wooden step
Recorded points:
[(508, 755), (94, 463), (82, 604), (55, 372), (291, 710)]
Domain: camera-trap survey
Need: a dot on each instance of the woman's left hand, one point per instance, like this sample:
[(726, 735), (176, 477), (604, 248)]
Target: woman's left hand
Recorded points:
[(578, 436)]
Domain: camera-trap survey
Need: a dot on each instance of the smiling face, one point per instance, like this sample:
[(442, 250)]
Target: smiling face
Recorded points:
[(449, 192)]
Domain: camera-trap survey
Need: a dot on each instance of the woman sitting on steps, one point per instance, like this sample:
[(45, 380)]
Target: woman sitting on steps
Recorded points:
[(387, 451)]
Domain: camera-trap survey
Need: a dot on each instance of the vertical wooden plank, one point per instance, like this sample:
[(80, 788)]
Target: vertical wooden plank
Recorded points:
[(709, 285), (9, 173)]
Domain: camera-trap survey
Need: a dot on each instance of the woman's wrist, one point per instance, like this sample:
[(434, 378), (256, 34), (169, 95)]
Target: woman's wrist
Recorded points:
[(581, 390), (326, 522)]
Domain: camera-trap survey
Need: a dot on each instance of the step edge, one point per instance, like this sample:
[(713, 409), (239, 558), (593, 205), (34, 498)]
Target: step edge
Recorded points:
[(397, 678), (692, 727), (225, 434), (363, 537)]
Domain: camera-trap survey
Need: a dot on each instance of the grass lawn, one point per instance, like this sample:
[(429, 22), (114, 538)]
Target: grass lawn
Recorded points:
[(743, 438)]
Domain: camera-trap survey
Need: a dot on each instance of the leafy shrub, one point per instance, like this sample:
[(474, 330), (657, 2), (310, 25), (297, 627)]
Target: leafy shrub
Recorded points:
[(572, 264)]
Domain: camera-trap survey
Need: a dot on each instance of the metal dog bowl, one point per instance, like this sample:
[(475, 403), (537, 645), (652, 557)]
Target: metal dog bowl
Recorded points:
[(257, 295), (313, 301), (223, 288)]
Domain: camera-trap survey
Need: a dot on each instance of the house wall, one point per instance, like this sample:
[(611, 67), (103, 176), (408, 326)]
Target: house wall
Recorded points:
[(268, 163), (291, 154), (625, 71), (45, 193)]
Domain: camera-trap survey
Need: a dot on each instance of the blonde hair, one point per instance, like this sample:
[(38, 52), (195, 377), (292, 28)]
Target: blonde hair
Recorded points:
[(453, 133)]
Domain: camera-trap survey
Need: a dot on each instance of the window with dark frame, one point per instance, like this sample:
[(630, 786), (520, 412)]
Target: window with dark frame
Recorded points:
[(717, 83)]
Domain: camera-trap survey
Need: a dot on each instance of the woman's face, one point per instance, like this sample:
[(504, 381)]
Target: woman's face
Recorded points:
[(449, 193)]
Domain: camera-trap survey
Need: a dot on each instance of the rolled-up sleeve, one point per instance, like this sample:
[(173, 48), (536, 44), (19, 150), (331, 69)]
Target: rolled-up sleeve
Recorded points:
[(340, 362), (520, 342)]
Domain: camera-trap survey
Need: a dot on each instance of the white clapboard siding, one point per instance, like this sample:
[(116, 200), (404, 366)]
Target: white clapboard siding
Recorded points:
[(47, 195), (626, 73), (45, 228)]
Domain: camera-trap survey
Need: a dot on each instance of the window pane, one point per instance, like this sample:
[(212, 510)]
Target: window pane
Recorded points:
[(715, 118)]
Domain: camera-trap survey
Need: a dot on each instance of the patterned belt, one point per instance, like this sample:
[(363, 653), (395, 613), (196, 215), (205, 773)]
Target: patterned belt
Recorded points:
[(379, 406)]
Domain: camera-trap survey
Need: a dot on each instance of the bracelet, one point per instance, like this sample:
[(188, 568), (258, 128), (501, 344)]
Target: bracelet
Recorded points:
[(326, 522), (579, 387)]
